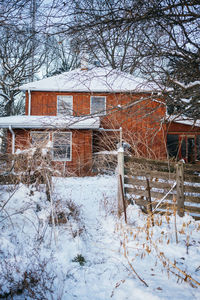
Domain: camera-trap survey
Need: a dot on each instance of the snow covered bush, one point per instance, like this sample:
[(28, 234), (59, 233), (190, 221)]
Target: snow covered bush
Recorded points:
[(69, 213), (33, 166), (28, 275), (23, 268)]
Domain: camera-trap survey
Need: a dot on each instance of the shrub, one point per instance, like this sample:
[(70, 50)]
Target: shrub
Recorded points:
[(80, 259), (31, 278)]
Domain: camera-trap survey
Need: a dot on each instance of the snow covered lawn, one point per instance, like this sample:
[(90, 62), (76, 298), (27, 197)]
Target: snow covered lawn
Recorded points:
[(91, 254)]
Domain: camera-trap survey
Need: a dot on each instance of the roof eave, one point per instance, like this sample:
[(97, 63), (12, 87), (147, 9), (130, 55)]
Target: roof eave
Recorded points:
[(49, 127), (93, 91)]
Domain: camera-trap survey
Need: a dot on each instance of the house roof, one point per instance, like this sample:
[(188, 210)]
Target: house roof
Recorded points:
[(50, 122), (95, 79), (183, 120)]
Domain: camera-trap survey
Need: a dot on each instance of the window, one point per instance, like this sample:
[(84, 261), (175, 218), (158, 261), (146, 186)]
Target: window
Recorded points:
[(188, 148), (185, 147), (62, 145), (172, 145), (98, 105), (198, 147), (39, 138), (65, 105)]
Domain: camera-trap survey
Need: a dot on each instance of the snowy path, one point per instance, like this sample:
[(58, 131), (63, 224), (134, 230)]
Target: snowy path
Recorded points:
[(98, 277)]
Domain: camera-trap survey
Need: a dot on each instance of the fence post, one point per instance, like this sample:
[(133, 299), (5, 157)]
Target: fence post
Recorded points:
[(120, 167), (180, 188)]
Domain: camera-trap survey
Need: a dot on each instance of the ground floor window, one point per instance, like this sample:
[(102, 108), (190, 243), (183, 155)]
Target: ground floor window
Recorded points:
[(62, 142), (185, 147), (39, 139), (172, 145)]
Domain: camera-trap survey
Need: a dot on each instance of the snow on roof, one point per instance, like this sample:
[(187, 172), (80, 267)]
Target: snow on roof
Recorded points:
[(95, 79), (49, 122), (183, 120)]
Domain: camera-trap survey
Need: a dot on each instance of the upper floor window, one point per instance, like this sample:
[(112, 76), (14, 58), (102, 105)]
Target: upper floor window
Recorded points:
[(62, 144), (39, 138), (98, 105), (65, 105)]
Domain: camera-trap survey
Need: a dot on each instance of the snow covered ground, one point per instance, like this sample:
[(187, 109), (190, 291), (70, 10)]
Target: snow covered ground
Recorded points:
[(93, 255)]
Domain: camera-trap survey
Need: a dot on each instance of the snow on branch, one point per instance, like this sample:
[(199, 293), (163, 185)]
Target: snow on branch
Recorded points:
[(187, 86)]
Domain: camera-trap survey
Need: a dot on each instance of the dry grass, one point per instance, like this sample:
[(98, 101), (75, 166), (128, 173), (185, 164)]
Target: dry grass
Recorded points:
[(148, 242)]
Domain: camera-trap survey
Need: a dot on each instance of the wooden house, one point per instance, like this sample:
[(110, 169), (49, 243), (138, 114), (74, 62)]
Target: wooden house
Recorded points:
[(80, 112)]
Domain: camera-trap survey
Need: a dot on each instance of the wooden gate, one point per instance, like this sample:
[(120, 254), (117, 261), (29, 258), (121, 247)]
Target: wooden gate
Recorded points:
[(162, 185)]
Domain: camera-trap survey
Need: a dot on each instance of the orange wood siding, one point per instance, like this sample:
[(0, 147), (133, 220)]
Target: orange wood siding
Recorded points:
[(81, 162), (182, 128), (45, 103)]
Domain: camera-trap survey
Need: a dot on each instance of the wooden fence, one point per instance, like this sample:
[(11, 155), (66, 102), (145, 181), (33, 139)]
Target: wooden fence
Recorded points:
[(161, 186), (5, 163)]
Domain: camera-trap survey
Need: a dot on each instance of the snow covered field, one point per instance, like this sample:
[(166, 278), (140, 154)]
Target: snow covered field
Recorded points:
[(92, 254)]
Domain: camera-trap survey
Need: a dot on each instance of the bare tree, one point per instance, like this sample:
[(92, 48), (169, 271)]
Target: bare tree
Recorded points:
[(11, 12), (15, 65), (61, 55), (160, 39)]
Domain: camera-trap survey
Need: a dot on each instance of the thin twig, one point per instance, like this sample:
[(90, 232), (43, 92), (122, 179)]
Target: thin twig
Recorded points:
[(52, 206), (9, 199), (136, 273), (164, 196)]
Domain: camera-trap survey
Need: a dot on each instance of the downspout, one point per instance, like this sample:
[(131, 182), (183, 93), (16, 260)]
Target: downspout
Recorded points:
[(13, 139), (29, 102)]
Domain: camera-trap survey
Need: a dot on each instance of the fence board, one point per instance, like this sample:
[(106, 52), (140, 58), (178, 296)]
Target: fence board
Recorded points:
[(168, 205), (9, 179), (157, 195), (143, 193), (192, 199), (153, 184), (191, 178), (188, 168), (15, 179), (152, 174), (193, 209), (145, 161), (192, 189), (160, 163), (6, 157), (165, 204)]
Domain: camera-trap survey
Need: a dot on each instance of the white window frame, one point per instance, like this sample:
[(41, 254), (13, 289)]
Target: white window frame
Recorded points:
[(70, 139), (103, 112), (43, 132), (68, 98)]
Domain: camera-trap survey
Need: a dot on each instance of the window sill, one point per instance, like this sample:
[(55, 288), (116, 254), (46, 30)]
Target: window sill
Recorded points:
[(64, 160), (98, 114)]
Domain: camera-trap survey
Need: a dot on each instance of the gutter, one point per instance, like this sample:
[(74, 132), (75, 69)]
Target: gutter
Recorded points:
[(29, 102), (13, 139), (86, 127)]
